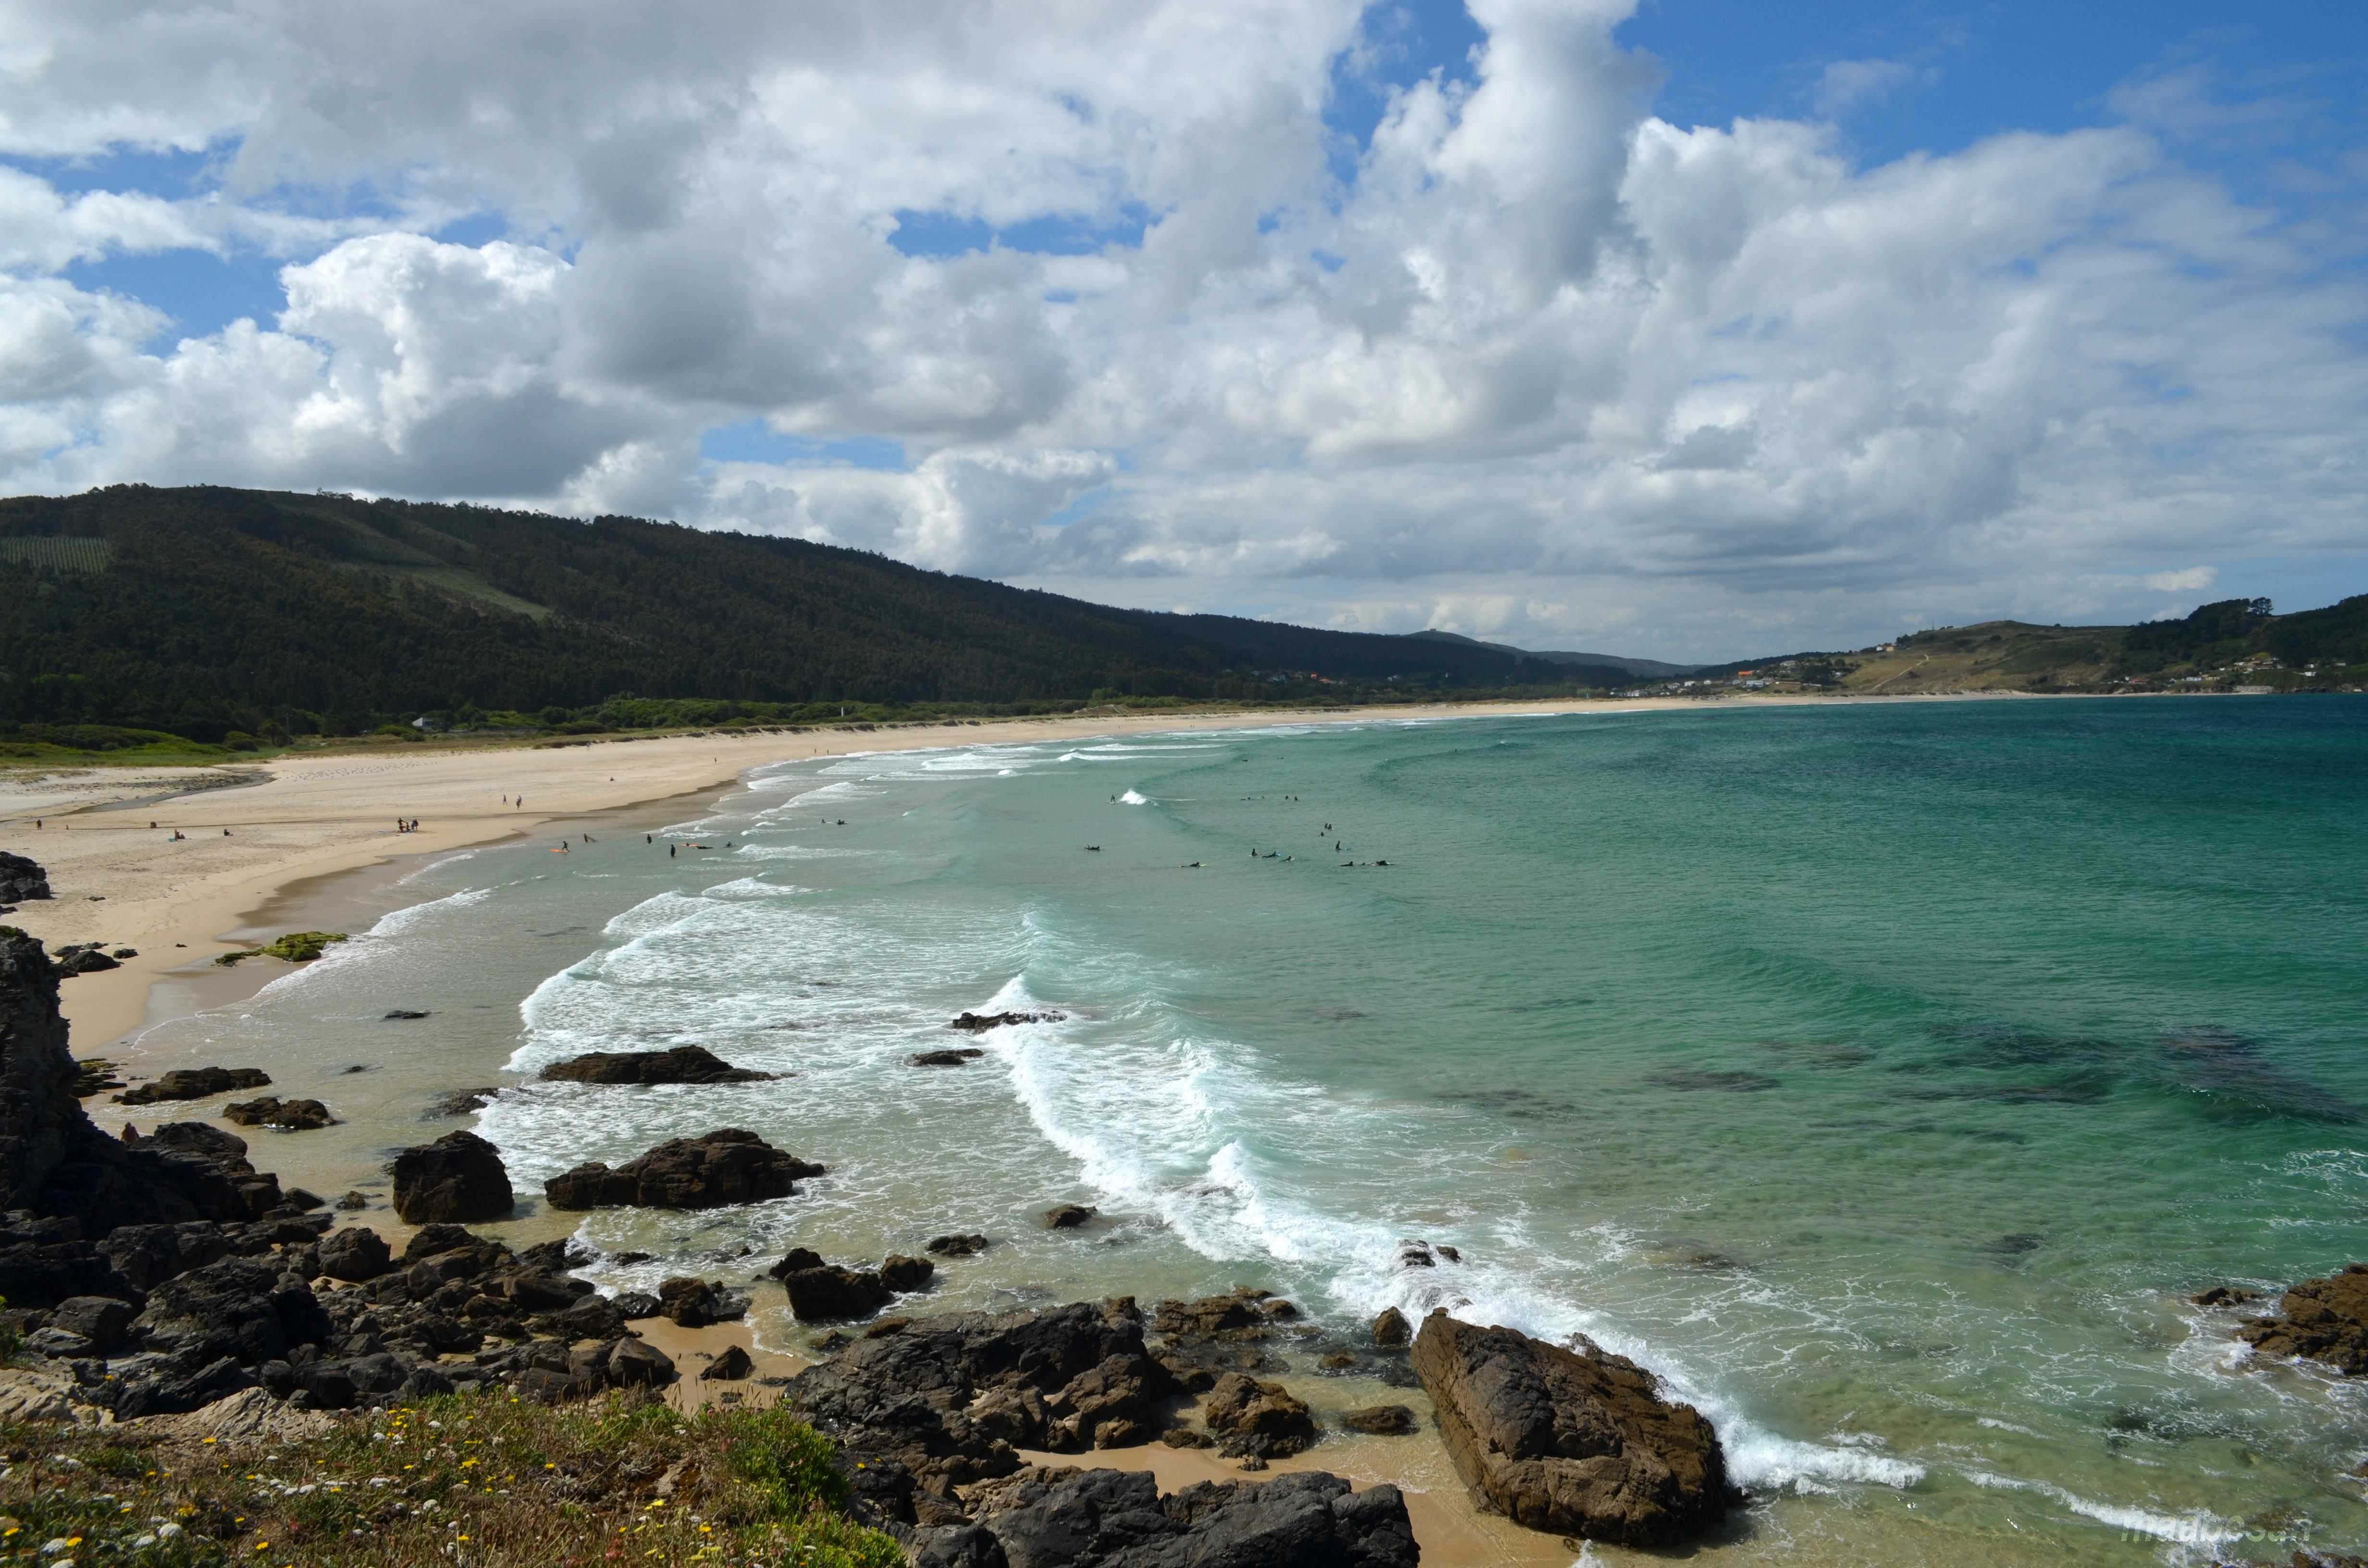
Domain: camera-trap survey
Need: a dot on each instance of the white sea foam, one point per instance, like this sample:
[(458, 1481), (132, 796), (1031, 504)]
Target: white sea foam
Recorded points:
[(1133, 799), (2198, 1528), (374, 946)]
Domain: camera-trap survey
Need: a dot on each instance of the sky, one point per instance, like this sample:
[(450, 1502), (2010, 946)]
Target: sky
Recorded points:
[(1695, 329)]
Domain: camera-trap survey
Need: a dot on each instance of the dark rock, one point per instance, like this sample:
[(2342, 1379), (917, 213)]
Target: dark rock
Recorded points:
[(74, 961), (2224, 1296), (236, 1307), (902, 1274), (979, 1023), (2323, 1320), (1066, 1216), (1575, 1443), (298, 1199), (793, 1260), (355, 1253), (635, 1365), (21, 879), (722, 1167), (458, 1178), (1248, 1417), (195, 1083), (353, 1200), (461, 1102), (405, 1013), (147, 1255), (956, 1246), (100, 1319), (950, 1397), (826, 1293), (272, 1111), (1104, 1518), (696, 1303), (632, 1305), (682, 1064), (954, 1058), (1381, 1421), (174, 1384), (1390, 1330), (556, 1257), (196, 1138), (731, 1366)]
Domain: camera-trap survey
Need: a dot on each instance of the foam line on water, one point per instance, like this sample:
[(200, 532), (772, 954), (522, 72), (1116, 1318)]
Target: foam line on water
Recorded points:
[(1133, 798), (374, 945), (2198, 1528)]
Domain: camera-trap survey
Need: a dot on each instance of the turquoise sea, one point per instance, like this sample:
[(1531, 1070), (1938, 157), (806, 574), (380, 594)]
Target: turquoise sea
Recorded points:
[(1884, 1075)]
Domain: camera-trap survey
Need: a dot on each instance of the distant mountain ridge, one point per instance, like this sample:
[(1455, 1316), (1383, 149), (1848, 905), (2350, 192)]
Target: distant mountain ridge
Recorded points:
[(1654, 669)]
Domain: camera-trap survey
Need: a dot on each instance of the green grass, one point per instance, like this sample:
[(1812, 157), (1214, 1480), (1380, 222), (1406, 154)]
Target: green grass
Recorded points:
[(478, 1480)]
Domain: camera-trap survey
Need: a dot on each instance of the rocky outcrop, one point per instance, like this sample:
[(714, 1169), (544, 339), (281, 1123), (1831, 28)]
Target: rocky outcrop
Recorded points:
[(956, 1246), (824, 1292), (1066, 1216), (195, 1084), (724, 1167), (1381, 1421), (682, 1065), (950, 1398), (85, 957), (2323, 1320), (22, 880), (461, 1102), (1249, 1419), (734, 1366), (1110, 1519), (979, 1023), (1200, 1341), (458, 1179), (1390, 1330), (957, 1057), (1573, 1442), (273, 1111), (697, 1303), (355, 1254)]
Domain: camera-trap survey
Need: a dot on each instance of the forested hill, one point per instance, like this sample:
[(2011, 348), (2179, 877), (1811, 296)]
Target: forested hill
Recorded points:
[(208, 611)]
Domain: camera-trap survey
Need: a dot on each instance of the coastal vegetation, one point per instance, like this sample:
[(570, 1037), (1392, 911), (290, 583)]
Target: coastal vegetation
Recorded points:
[(478, 1477)]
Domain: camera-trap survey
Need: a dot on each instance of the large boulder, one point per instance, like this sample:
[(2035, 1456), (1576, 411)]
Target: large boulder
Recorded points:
[(1110, 1518), (2324, 1319), (355, 1253), (724, 1167), (273, 1111), (22, 880), (457, 1179), (1251, 1418), (827, 1294), (1573, 1442), (950, 1398), (682, 1064)]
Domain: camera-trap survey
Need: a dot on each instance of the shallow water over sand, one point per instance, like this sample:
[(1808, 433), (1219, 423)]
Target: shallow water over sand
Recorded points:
[(1884, 1076)]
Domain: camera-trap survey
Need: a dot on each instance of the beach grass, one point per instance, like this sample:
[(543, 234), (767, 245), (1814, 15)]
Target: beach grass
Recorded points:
[(476, 1478)]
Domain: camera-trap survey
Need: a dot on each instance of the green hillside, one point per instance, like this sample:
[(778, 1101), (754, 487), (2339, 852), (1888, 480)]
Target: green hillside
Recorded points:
[(212, 613)]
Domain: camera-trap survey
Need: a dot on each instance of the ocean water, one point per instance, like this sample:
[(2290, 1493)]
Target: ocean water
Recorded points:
[(1884, 1076)]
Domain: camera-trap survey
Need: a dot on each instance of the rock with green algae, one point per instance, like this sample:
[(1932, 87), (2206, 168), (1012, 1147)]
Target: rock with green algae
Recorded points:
[(296, 947)]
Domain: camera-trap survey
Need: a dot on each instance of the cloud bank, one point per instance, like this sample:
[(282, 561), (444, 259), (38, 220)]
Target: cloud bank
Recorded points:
[(1100, 297)]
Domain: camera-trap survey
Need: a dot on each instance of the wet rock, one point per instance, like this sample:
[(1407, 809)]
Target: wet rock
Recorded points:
[(353, 1200), (826, 1293), (21, 879), (633, 1305), (957, 1057), (558, 1255), (903, 1275), (1248, 1417), (1068, 1216), (682, 1065), (1390, 1330), (724, 1167), (979, 1023), (195, 1083), (461, 1102), (1381, 1421), (1573, 1442), (405, 1013), (2224, 1296), (731, 1366), (1103, 1519), (956, 1246), (2323, 1320), (696, 1303), (272, 1111), (458, 1178), (355, 1253)]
